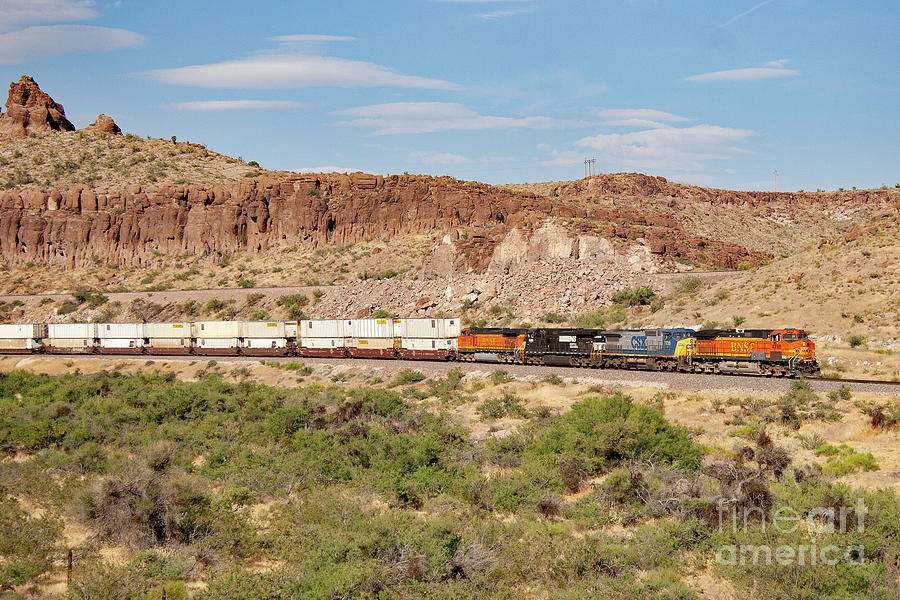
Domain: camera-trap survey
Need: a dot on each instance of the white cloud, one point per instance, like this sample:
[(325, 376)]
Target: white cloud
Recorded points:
[(683, 149), (769, 70), (502, 14), (311, 37), (429, 117), (648, 114), (285, 71), (40, 41), (439, 158), (14, 13), (224, 105)]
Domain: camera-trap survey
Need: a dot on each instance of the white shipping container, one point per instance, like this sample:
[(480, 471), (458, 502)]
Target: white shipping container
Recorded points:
[(429, 343), (71, 330), (426, 328), (263, 329), (70, 342), (167, 330), (218, 343), (371, 343), (170, 342), (264, 343), (218, 329), (23, 331), (19, 344), (322, 342), (371, 328), (290, 329), (121, 343), (120, 331), (323, 328)]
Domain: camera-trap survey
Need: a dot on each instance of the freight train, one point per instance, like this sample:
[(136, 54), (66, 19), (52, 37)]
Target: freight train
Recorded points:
[(769, 352)]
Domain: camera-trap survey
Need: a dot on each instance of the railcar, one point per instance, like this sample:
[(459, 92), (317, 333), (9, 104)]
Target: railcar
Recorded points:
[(654, 349), (486, 344), (570, 347), (772, 352)]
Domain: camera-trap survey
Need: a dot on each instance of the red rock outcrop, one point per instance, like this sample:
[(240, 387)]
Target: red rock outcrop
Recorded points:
[(105, 124), (148, 226), (28, 109)]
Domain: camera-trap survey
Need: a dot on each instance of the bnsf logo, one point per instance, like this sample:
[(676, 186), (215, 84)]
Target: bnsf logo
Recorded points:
[(639, 343), (739, 347)]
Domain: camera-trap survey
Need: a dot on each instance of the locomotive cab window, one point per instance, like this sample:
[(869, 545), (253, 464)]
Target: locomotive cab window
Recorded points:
[(667, 337), (789, 337)]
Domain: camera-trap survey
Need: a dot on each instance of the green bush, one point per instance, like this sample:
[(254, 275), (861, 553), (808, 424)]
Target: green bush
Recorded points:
[(856, 341), (601, 432), (639, 296), (407, 376), (508, 405)]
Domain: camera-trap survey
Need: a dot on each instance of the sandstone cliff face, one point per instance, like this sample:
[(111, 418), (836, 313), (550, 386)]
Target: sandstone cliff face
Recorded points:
[(28, 110), (139, 226), (147, 226)]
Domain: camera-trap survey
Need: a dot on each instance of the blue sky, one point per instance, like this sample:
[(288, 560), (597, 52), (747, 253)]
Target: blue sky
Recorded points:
[(712, 93)]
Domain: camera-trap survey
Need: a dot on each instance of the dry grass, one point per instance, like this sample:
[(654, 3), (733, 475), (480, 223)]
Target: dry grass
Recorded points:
[(64, 159)]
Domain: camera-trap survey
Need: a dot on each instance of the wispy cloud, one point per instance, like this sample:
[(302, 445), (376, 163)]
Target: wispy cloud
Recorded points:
[(14, 13), (429, 117), (770, 70), (226, 105), (740, 16), (286, 70), (667, 148), (645, 114), (502, 14), (41, 41), (677, 148), (311, 37), (439, 158)]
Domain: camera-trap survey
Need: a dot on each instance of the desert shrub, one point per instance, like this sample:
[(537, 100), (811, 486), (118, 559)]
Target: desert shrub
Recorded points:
[(383, 314), (407, 376), (500, 376), (246, 283), (66, 307), (259, 315), (596, 319), (553, 379), (507, 405), (856, 340), (214, 305), (639, 296), (26, 544), (604, 431), (555, 318), (843, 460)]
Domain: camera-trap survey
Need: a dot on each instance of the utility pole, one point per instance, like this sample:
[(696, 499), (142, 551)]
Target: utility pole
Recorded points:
[(775, 182), (590, 166)]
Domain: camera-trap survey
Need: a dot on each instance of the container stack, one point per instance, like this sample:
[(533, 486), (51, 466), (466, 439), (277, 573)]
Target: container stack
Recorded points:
[(264, 338), (218, 337), (372, 338), (323, 337), (427, 338), (71, 338), (121, 338), (18, 338), (168, 338)]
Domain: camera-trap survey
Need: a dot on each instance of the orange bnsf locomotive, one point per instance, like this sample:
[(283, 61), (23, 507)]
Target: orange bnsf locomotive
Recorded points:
[(777, 352)]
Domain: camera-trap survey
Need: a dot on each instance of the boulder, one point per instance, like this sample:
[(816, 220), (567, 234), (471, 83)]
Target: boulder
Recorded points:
[(105, 124)]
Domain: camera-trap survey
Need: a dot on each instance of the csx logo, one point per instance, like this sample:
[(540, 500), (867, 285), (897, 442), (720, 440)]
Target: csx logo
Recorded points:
[(639, 343), (740, 347)]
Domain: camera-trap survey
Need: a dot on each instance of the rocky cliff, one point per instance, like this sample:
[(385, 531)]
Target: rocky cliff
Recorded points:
[(28, 109)]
